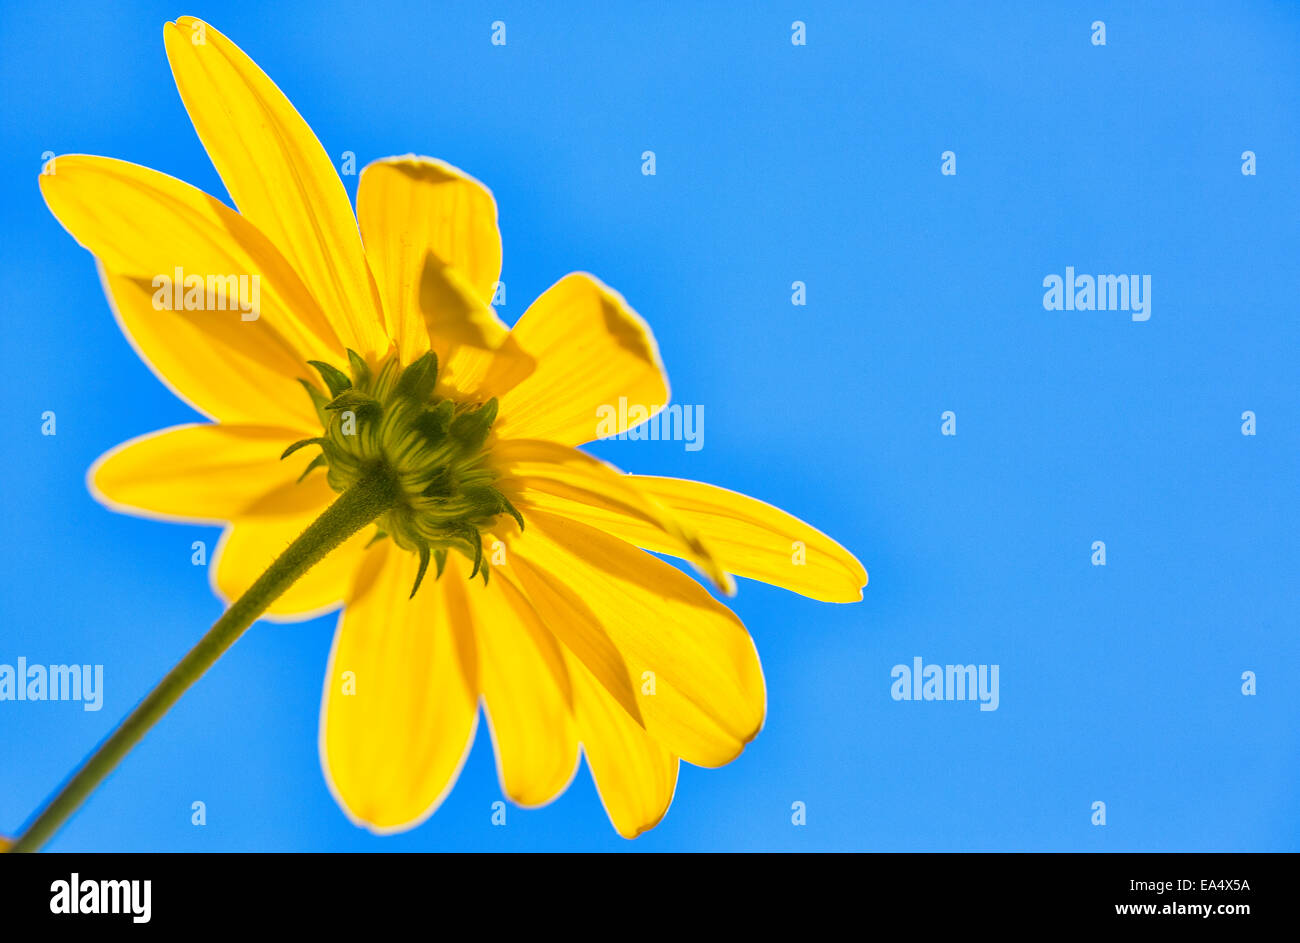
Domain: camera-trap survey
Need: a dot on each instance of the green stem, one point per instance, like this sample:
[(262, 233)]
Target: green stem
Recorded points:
[(353, 510)]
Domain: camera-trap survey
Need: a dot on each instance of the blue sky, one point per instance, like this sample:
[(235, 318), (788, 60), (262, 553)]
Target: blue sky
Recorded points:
[(775, 163)]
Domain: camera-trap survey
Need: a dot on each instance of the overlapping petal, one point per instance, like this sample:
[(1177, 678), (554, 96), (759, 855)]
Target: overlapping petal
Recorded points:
[(250, 545), (526, 691), (430, 233), (392, 748), (148, 226), (557, 478), (590, 349), (748, 537), (208, 473), (246, 374), (635, 775), (686, 661), (278, 174)]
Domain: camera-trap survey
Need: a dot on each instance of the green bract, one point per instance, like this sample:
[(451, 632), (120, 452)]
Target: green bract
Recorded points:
[(388, 421)]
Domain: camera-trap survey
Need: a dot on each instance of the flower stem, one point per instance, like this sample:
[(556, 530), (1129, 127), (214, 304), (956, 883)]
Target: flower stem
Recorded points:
[(354, 509)]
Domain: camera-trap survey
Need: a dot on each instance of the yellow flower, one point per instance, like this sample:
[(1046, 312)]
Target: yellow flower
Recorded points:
[(546, 606)]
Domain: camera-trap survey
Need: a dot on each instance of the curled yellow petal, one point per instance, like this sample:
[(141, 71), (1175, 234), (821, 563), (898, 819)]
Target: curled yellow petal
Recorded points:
[(430, 233), (591, 350), (750, 538)]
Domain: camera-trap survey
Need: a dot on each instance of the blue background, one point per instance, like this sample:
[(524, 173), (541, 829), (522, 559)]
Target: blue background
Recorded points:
[(775, 163)]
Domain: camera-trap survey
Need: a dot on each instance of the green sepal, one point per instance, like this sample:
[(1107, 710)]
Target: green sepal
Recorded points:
[(379, 535), (434, 423), (317, 462), (424, 565), (301, 443), (511, 510), (476, 542), (360, 369), (440, 486), (440, 558), (471, 428), (334, 378), (419, 379), (351, 399), (318, 400)]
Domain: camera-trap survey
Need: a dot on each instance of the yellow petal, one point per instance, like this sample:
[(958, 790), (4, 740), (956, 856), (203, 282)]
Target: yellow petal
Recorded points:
[(750, 538), (595, 592), (591, 350), (429, 228), (244, 375), (251, 544), (477, 373), (209, 474), (557, 478), (525, 689), (147, 226), (635, 776), (278, 175), (392, 750)]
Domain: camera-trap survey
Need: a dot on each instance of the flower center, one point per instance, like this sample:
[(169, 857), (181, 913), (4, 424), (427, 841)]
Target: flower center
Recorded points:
[(388, 421)]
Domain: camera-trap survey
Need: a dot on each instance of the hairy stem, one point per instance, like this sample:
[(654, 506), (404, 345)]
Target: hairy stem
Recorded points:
[(370, 497)]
